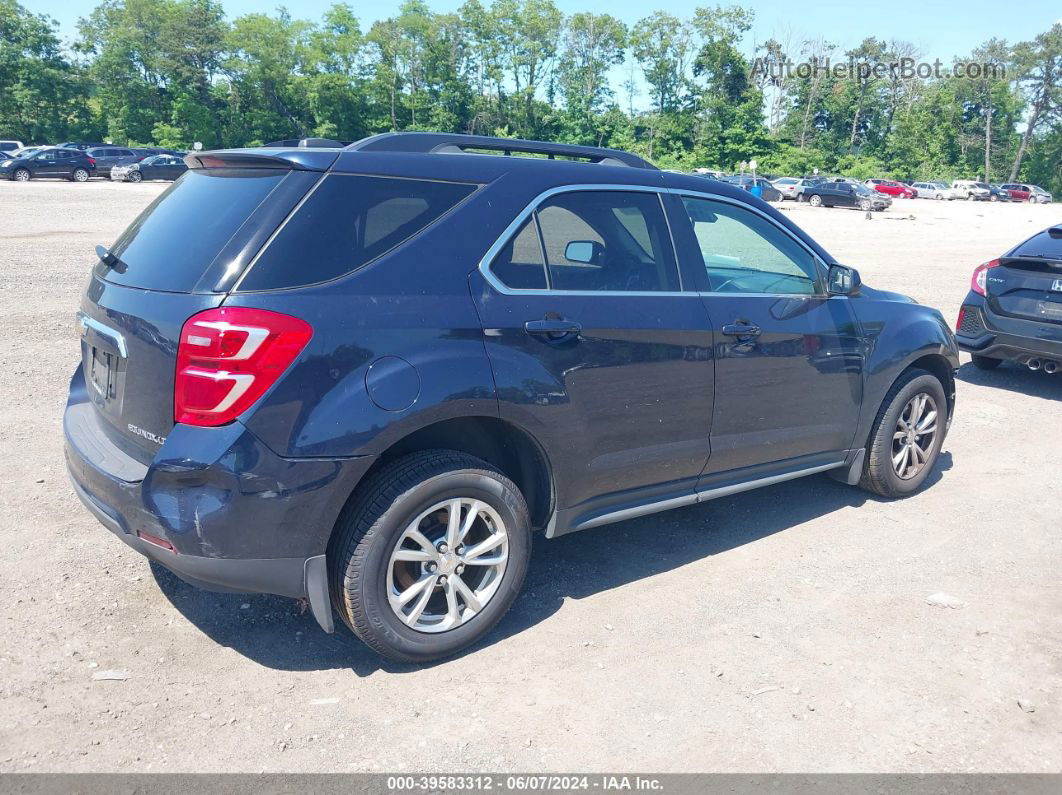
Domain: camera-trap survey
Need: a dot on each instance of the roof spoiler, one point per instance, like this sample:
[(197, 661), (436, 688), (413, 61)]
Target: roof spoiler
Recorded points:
[(452, 143), (298, 159)]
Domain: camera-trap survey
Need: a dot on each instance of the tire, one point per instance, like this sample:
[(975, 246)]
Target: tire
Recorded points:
[(79, 175), (412, 492), (970, 197), (985, 362), (815, 201), (940, 197), (865, 205), (880, 472), (134, 176), (22, 175)]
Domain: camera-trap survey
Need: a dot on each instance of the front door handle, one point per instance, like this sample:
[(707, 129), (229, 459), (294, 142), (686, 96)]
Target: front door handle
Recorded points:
[(741, 330), (553, 328)]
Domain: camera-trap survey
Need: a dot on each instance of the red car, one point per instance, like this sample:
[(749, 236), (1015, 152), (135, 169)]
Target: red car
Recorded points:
[(892, 188)]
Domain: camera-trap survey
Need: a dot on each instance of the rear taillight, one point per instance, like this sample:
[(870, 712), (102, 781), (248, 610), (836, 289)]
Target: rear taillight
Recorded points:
[(92, 161), (229, 357), (980, 276), (958, 323)]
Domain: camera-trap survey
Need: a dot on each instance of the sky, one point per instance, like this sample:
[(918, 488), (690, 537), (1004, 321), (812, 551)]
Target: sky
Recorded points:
[(941, 30)]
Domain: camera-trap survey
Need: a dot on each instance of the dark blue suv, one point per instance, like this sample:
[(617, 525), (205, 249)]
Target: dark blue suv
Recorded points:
[(365, 375)]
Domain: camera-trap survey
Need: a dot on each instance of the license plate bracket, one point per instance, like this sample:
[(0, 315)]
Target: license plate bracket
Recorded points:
[(101, 372)]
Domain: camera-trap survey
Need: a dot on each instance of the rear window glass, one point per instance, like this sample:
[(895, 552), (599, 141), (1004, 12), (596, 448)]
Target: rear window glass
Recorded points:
[(172, 243), (347, 222), (1043, 246)]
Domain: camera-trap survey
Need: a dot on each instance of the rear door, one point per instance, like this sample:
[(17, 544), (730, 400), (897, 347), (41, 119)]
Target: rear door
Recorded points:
[(168, 263), (596, 348), (1028, 282), (788, 357)]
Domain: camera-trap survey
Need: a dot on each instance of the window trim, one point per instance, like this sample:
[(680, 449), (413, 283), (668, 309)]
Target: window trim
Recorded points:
[(532, 206)]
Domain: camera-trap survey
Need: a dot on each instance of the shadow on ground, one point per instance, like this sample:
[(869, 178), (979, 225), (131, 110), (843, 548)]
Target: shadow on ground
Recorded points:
[(1014, 377), (274, 632)]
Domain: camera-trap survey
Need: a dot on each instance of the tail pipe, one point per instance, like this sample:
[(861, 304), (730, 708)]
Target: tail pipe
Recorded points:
[(1051, 367), (1033, 363)]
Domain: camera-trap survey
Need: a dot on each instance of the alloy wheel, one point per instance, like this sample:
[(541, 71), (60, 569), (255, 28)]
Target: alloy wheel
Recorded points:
[(22, 175), (447, 565), (815, 201), (80, 175), (914, 436)]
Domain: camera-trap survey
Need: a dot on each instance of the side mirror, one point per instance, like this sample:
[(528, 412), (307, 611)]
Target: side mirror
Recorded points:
[(587, 252), (843, 280)]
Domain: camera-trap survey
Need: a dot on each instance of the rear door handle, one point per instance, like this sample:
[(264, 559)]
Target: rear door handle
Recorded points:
[(741, 330), (554, 328)]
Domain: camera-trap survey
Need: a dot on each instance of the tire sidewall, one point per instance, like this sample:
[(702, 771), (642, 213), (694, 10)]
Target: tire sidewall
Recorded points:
[(921, 383), (372, 584)]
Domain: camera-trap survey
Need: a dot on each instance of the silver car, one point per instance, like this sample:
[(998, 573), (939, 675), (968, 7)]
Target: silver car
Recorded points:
[(789, 187)]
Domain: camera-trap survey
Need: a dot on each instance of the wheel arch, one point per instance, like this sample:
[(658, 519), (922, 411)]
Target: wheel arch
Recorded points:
[(514, 451)]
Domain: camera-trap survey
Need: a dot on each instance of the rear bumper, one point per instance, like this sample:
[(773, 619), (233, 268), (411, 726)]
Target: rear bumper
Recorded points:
[(233, 515), (1007, 338)]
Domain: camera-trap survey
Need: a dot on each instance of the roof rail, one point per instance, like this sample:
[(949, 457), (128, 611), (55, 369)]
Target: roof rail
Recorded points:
[(305, 143), (453, 143)]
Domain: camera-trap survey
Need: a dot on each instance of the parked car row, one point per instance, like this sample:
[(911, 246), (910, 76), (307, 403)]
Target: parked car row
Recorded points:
[(80, 161), (830, 191)]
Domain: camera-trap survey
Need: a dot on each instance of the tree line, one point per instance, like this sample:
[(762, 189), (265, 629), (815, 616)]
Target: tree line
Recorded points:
[(694, 92)]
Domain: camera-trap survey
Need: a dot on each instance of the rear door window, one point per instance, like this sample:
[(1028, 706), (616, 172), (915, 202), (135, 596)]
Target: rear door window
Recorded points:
[(174, 241), (347, 222), (612, 241)]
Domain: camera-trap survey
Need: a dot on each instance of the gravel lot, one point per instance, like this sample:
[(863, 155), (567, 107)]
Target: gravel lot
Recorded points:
[(785, 629)]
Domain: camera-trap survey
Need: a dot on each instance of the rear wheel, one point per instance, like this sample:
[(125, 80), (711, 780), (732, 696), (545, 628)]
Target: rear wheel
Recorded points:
[(22, 175), (907, 436), (985, 362), (80, 175), (430, 555), (815, 201)]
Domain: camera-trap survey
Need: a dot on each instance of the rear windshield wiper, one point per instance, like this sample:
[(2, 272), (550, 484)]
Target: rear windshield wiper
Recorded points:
[(109, 260)]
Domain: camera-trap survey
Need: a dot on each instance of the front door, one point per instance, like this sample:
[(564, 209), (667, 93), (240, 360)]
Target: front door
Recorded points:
[(789, 358), (597, 351)]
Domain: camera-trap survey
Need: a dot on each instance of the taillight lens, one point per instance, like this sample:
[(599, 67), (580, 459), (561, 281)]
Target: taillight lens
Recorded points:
[(229, 357), (92, 161), (980, 276)]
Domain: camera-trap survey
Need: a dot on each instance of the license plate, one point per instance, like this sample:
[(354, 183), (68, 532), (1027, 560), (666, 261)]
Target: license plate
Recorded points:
[(101, 373), (1051, 309)]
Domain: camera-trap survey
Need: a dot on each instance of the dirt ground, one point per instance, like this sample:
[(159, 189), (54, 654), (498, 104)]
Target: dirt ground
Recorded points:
[(785, 629)]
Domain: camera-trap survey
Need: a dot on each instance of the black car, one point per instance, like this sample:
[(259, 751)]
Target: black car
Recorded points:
[(82, 145), (53, 163), (1013, 311), (996, 193), (844, 194), (768, 192), (364, 376), (166, 167), (107, 157)]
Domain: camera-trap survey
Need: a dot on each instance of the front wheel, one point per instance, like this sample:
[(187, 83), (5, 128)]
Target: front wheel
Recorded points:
[(815, 201), (134, 176), (80, 175), (865, 205), (907, 436), (429, 555), (22, 175)]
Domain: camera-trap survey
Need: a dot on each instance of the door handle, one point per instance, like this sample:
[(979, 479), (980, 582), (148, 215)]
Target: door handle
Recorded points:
[(741, 330), (553, 328)]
